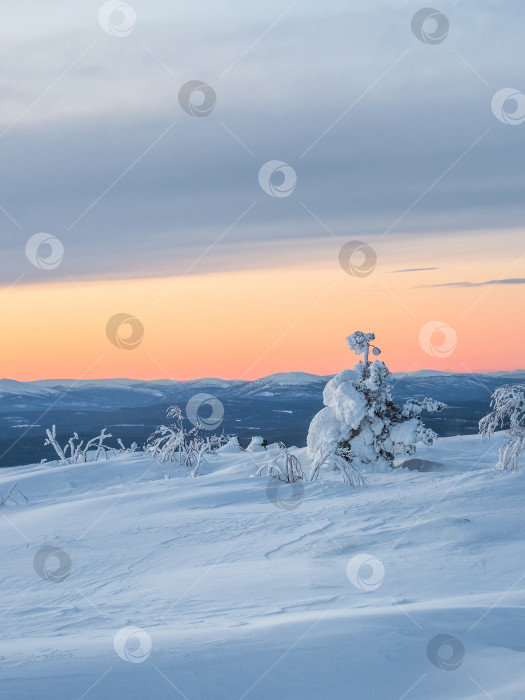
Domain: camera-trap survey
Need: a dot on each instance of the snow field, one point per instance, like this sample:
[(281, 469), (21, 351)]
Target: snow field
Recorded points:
[(236, 589)]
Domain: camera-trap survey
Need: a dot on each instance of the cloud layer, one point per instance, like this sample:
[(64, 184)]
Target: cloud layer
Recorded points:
[(389, 137)]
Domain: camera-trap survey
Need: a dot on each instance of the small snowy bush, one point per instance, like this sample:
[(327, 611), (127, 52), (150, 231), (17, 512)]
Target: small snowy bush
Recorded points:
[(75, 451), (285, 467), (173, 443), (508, 408), (338, 461), (361, 424)]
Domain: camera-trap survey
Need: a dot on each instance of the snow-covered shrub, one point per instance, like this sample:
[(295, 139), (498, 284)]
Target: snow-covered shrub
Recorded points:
[(338, 462), (174, 443), (75, 450), (285, 467), (508, 409), (124, 450), (361, 424)]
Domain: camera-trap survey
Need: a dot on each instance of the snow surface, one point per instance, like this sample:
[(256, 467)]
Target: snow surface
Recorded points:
[(243, 586)]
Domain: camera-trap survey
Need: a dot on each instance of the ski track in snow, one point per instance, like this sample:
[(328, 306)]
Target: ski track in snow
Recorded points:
[(244, 600)]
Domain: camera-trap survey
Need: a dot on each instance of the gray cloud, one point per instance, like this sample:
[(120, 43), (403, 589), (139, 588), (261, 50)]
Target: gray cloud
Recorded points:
[(297, 81), (416, 269), (515, 280)]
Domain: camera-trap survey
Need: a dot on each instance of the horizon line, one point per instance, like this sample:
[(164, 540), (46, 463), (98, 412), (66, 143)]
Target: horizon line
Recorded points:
[(236, 379)]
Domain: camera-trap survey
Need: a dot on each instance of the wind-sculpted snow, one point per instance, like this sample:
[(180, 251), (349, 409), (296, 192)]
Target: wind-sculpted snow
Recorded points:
[(219, 587)]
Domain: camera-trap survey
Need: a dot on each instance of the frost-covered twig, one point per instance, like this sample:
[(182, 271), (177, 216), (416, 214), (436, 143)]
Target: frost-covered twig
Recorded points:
[(4, 499), (198, 449), (74, 451), (99, 442), (123, 449), (338, 463), (51, 440), (9, 496)]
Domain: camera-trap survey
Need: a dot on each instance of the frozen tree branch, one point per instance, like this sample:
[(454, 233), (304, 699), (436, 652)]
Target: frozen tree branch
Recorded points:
[(508, 409)]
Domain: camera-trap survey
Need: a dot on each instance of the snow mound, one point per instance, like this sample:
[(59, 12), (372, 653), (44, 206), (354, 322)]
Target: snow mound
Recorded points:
[(257, 444), (232, 446)]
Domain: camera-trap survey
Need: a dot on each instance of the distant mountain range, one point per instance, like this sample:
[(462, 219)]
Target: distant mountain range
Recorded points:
[(96, 394), (279, 406)]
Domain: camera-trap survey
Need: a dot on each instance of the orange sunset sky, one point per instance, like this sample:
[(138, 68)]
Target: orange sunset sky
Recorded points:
[(250, 323)]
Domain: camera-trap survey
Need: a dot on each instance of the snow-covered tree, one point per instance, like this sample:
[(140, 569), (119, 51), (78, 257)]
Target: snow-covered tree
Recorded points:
[(361, 423), (508, 409)]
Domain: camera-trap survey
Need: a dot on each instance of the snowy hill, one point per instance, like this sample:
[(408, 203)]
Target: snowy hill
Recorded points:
[(242, 590)]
